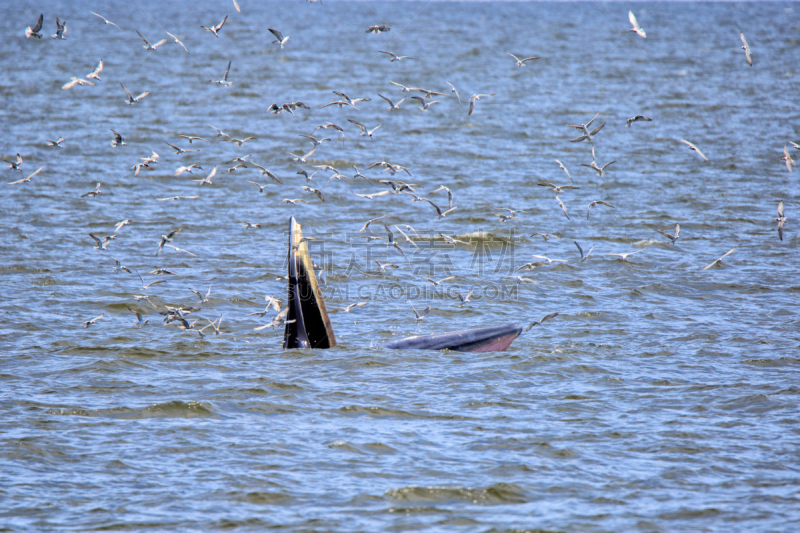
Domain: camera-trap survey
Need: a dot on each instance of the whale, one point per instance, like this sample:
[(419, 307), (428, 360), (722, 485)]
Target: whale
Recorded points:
[(308, 326)]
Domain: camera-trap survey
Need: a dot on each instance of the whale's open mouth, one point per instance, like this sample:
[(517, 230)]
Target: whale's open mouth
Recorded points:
[(308, 324)]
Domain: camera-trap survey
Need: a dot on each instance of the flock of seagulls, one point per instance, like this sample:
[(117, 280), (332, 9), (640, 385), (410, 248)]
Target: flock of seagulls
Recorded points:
[(392, 187)]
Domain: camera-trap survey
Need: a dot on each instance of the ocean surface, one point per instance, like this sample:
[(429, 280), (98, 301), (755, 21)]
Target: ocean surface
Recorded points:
[(663, 397)]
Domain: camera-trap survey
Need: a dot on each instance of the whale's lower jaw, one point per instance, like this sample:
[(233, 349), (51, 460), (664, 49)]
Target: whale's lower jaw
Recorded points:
[(491, 339)]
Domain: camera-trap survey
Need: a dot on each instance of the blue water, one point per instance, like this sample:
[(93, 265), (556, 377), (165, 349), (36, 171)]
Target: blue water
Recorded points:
[(663, 397)]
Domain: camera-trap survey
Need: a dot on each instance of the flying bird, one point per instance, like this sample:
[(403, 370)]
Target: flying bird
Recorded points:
[(34, 30), (474, 98), (788, 159), (105, 20), (597, 202), (24, 180), (378, 29), (673, 236), (634, 119), (215, 29), (521, 62), (585, 256), (118, 140), (693, 147), (147, 45), (394, 57), (364, 130), (75, 81), (453, 90), (781, 220), (224, 81), (717, 261), (178, 41), (61, 29), (636, 28), (131, 100), (539, 322), (279, 38), (560, 164), (95, 74), (746, 48)]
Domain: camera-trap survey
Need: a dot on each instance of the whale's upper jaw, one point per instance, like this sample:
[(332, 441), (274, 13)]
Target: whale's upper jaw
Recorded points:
[(307, 321)]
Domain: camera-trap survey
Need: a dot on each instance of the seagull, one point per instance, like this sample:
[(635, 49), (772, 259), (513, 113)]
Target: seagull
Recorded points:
[(148, 46), (374, 195), (73, 82), (119, 266), (215, 29), (248, 225), (378, 29), (182, 169), (34, 31), (449, 194), (394, 57), (293, 202), (625, 256), (102, 245), (105, 20), (26, 179), (392, 105), (118, 140), (585, 256), (539, 322), (556, 188), (439, 211), (131, 100), (61, 29), (120, 225), (302, 158), (315, 191), (673, 236), (178, 41), (545, 236), (436, 283), (192, 138), (425, 104), (597, 202), (95, 74), (637, 117), (587, 135), (15, 165), (224, 81), (279, 37), (145, 287), (451, 240), (207, 179), (146, 298), (351, 306), (781, 220), (521, 62), (179, 150), (563, 207), (746, 48), (600, 170), (92, 194), (167, 238), (560, 164), (636, 28), (693, 147), (403, 87), (276, 321), (174, 198), (238, 142), (419, 316), (716, 261), (474, 98), (57, 142), (260, 187), (138, 315), (391, 242), (788, 159), (364, 131), (203, 299), (384, 266), (453, 90), (92, 321)]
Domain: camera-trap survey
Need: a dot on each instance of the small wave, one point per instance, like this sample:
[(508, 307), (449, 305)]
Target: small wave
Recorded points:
[(173, 409), (499, 493)]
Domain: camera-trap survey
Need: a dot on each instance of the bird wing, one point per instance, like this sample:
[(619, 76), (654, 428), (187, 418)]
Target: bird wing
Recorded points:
[(598, 128), (227, 69), (563, 207), (780, 209), (221, 24), (38, 24), (276, 33), (145, 40), (130, 96), (359, 124)]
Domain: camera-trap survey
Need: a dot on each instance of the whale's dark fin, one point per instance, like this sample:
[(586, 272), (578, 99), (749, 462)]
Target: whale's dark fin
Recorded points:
[(307, 322)]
